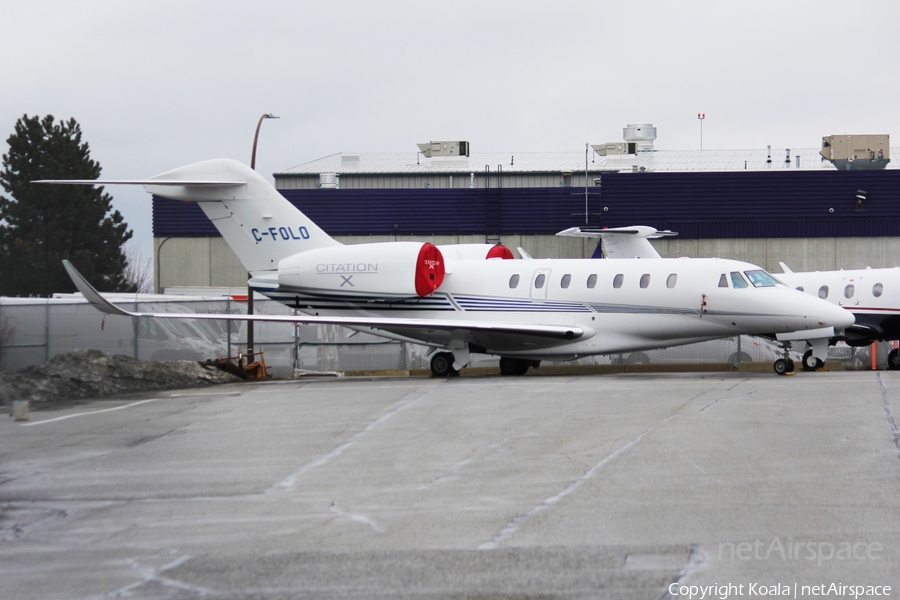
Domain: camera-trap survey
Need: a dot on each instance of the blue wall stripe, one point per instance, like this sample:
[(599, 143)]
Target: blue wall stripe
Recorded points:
[(741, 204)]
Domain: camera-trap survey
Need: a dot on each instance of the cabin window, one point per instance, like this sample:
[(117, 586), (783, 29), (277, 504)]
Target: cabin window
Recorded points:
[(760, 278), (645, 281), (723, 281), (514, 281), (823, 292), (592, 281), (849, 291), (566, 280), (738, 281), (671, 281), (539, 281), (877, 290), (618, 280), (800, 288)]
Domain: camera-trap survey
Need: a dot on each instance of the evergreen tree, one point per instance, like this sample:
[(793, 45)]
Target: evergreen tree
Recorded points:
[(42, 224)]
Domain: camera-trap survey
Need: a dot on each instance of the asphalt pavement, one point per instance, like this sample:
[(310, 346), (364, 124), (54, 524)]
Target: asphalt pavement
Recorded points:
[(601, 486)]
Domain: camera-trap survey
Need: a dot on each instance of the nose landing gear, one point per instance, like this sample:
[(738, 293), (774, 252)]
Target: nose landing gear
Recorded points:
[(784, 366)]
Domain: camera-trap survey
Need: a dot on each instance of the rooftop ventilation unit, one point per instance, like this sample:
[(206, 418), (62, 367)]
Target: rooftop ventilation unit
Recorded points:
[(615, 148), (857, 152), (430, 149), (643, 134)]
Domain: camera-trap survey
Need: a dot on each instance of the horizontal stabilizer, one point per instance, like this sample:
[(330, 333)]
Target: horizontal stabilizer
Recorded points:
[(622, 242), (641, 231), (197, 183), (257, 222)]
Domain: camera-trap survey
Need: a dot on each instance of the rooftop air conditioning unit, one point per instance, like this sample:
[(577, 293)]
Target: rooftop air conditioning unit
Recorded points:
[(444, 149)]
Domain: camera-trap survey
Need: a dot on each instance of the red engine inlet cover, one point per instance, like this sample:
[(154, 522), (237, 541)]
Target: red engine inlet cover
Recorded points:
[(429, 269), (500, 251)]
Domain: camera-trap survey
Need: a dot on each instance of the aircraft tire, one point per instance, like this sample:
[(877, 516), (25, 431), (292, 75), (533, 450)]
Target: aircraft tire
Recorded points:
[(810, 362), (893, 359), (442, 365), (783, 366), (513, 366)]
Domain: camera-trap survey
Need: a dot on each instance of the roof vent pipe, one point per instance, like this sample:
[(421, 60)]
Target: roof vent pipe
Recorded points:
[(328, 181)]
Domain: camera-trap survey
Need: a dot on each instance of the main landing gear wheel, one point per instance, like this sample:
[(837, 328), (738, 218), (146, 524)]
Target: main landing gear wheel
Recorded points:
[(784, 366), (442, 365), (893, 359), (513, 366), (810, 362)]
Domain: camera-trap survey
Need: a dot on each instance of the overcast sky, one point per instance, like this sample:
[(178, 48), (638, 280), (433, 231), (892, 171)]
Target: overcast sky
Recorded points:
[(160, 84)]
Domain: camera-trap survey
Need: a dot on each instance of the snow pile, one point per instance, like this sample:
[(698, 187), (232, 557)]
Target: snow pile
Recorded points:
[(92, 373)]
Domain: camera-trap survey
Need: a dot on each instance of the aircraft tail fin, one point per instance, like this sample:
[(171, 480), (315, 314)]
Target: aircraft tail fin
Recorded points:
[(785, 268), (257, 222)]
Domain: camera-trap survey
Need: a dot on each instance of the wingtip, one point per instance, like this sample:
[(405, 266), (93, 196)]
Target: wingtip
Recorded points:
[(90, 294)]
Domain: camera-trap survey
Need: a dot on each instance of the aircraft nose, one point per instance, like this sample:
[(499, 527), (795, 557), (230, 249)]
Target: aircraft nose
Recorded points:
[(837, 317)]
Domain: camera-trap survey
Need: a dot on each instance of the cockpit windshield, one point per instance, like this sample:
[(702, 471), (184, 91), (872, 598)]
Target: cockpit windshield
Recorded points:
[(760, 278), (737, 280)]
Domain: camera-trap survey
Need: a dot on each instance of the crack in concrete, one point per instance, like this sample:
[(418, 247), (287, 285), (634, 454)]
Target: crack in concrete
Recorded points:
[(289, 481), (888, 413), (696, 559), (151, 575)]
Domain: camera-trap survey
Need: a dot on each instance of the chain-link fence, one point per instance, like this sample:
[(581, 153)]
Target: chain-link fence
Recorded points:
[(32, 331)]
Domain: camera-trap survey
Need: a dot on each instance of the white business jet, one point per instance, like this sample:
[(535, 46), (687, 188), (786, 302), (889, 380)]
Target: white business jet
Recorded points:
[(465, 299), (871, 295), (634, 242)]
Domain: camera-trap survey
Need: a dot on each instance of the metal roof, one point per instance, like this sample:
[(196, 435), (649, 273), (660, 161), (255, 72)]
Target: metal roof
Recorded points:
[(754, 159)]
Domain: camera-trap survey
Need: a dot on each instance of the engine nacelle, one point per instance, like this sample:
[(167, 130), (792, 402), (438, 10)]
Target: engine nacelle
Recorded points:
[(475, 251), (383, 270)]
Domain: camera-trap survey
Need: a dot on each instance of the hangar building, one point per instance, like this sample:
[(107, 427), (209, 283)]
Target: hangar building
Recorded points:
[(825, 208)]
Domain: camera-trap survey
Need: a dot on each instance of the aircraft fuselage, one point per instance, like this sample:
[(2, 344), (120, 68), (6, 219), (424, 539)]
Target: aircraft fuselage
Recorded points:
[(621, 305)]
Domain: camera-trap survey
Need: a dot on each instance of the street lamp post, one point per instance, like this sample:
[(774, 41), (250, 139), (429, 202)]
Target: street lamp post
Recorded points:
[(256, 137), (249, 275), (701, 116)]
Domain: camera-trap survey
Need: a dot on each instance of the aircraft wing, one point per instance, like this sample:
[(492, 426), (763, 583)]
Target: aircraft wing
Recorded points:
[(429, 331)]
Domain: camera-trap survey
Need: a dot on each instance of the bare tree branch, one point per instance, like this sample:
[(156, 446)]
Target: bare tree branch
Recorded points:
[(139, 270)]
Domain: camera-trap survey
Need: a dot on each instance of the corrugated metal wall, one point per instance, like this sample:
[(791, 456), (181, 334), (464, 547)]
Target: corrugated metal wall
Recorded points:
[(439, 180), (698, 205)]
